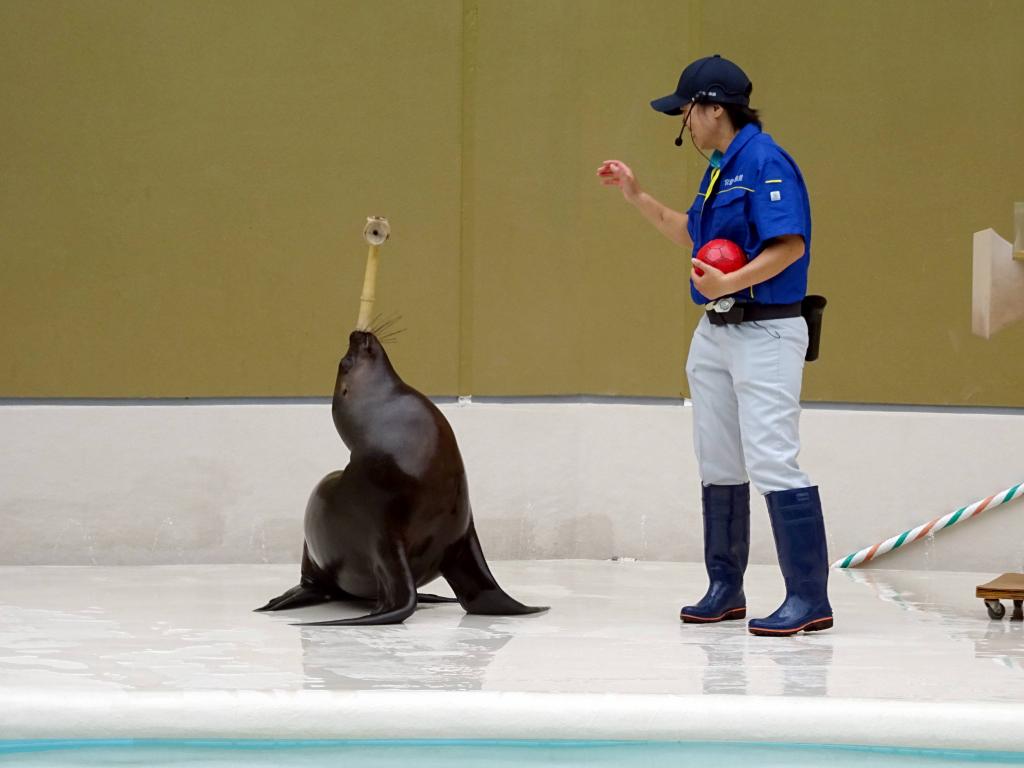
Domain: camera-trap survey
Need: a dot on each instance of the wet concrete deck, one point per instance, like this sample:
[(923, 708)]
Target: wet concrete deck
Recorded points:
[(175, 651)]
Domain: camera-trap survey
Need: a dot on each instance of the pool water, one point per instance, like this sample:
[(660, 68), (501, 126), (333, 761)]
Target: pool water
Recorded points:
[(452, 754)]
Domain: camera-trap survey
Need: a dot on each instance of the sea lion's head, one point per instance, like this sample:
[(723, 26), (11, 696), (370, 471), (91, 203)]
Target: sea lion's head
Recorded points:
[(365, 368), (365, 382)]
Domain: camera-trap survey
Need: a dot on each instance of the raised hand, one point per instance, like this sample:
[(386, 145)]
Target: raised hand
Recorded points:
[(615, 173)]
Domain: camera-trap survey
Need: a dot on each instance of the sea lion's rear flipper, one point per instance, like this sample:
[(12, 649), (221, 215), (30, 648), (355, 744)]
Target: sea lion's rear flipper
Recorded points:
[(466, 571), (312, 589), (396, 588)]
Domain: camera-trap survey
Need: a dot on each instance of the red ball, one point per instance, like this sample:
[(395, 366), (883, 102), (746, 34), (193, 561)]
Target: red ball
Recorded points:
[(723, 255)]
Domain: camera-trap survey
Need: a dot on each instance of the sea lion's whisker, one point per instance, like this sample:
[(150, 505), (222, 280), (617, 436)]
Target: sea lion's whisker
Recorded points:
[(384, 323), (386, 326), (369, 326)]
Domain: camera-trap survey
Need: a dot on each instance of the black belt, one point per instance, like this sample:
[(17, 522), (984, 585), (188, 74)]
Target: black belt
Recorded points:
[(748, 312)]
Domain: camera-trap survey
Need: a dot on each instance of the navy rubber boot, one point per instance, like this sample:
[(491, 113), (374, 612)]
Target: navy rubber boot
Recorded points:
[(799, 531), (726, 546)]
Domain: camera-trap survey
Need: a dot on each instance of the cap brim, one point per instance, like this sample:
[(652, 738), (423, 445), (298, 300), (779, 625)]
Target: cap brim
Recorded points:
[(669, 105)]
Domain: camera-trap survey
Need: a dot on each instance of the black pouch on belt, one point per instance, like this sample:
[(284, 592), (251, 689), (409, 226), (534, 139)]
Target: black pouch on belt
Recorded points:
[(812, 308)]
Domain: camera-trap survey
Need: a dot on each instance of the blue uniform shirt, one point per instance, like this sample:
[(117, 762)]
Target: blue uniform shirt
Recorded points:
[(758, 193)]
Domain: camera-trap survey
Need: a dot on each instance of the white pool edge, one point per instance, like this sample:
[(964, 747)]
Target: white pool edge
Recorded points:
[(390, 715)]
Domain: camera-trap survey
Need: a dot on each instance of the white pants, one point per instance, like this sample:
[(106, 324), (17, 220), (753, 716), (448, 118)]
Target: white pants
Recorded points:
[(745, 386)]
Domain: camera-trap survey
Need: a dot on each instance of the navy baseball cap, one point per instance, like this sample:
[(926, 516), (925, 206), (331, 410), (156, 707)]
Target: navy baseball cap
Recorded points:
[(709, 80)]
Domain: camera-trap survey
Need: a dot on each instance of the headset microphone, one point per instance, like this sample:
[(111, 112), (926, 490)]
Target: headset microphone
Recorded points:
[(697, 98)]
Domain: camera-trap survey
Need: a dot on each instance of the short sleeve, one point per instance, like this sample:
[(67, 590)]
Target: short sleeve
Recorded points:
[(778, 205), (691, 222)]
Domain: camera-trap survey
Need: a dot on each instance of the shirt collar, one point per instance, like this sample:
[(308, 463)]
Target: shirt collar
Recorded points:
[(746, 133)]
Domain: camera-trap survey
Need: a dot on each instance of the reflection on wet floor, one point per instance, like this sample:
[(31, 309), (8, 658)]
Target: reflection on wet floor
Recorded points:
[(400, 657), (1000, 641)]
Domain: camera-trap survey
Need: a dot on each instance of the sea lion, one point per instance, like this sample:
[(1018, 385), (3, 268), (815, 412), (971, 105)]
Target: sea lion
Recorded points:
[(398, 516)]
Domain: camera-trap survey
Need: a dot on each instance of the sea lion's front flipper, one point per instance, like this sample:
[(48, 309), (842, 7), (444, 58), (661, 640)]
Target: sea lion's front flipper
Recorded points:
[(297, 597), (396, 588), (466, 571), (312, 589)]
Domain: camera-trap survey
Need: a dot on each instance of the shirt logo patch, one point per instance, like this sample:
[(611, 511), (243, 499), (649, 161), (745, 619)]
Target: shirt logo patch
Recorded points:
[(733, 180), (776, 195)]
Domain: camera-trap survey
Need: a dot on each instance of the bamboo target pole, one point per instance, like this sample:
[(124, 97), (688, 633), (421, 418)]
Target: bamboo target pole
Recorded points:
[(376, 232)]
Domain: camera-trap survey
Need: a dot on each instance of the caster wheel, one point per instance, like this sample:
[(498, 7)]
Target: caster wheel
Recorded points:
[(996, 610)]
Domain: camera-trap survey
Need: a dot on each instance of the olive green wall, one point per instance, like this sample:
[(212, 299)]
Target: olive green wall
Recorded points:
[(184, 185)]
